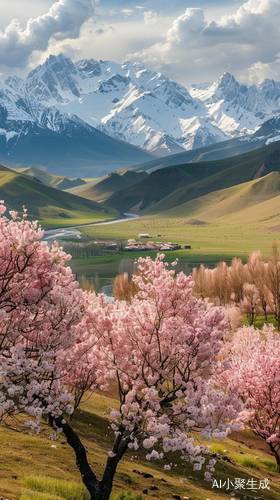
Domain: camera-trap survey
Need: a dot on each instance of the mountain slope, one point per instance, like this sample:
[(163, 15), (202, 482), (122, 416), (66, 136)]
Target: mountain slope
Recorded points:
[(247, 202), (49, 205), (245, 168), (225, 149), (56, 181), (77, 151), (169, 187), (102, 189)]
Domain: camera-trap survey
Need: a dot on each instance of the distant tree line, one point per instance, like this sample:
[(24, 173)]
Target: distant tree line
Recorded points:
[(80, 250), (254, 287)]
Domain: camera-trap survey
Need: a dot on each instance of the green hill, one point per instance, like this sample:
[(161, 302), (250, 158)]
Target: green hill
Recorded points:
[(248, 202), (56, 181), (101, 189), (169, 187), (53, 208)]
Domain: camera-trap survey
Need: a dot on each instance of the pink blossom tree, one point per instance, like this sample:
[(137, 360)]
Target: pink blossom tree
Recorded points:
[(40, 310), (252, 362), (56, 342), (161, 351)]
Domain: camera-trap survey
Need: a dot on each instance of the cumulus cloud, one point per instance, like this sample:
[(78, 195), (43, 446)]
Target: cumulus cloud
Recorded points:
[(183, 32), (187, 27), (254, 19), (244, 43), (150, 17), (64, 20)]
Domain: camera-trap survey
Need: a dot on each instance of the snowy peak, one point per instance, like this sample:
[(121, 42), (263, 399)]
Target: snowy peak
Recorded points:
[(89, 67), (136, 105), (55, 80), (270, 91), (238, 94)]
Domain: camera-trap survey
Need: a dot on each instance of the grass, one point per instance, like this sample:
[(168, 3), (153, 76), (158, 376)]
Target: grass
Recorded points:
[(35, 495), (46, 488), (221, 150), (260, 321), (40, 487), (128, 495), (246, 461), (26, 455), (269, 464), (217, 448), (210, 243)]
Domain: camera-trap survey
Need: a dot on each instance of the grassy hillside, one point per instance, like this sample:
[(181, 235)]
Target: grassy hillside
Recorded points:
[(248, 202), (170, 187), (53, 208), (56, 181), (34, 463), (225, 149), (160, 184), (101, 189)]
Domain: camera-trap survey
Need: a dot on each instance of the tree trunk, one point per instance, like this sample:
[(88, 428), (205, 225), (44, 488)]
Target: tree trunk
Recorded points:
[(99, 490), (276, 454), (277, 461)]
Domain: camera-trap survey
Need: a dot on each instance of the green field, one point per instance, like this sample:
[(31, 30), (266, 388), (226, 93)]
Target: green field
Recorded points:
[(210, 243)]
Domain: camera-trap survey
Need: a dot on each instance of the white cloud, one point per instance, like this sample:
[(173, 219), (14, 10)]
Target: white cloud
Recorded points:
[(127, 12), (150, 17), (187, 27), (193, 44), (259, 71), (182, 33), (63, 20), (244, 42), (253, 19)]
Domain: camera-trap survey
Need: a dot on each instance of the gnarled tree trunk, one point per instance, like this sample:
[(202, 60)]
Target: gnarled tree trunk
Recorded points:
[(99, 490)]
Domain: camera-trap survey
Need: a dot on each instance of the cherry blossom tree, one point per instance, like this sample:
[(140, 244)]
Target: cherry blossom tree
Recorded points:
[(252, 370), (57, 342), (161, 351), (40, 310)]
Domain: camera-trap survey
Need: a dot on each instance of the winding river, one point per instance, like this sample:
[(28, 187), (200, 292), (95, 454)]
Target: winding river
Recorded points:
[(73, 231)]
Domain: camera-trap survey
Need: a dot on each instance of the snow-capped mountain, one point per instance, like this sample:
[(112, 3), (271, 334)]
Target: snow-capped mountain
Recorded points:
[(133, 104)]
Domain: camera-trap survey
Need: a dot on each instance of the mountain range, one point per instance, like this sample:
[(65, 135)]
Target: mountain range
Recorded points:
[(241, 187), (89, 118)]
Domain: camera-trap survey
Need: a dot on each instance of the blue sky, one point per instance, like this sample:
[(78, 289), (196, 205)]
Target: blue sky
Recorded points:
[(188, 40)]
